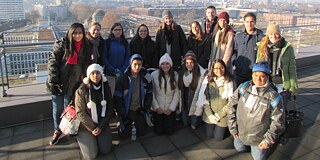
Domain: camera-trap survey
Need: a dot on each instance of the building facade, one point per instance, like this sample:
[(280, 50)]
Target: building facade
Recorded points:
[(11, 10)]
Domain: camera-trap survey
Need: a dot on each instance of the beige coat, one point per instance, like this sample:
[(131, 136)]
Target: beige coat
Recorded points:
[(223, 51), (162, 99)]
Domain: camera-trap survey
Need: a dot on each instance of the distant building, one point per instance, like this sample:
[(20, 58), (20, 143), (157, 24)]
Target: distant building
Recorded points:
[(57, 11), (267, 2), (11, 10)]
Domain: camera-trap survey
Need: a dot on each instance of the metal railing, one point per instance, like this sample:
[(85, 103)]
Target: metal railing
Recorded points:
[(299, 36)]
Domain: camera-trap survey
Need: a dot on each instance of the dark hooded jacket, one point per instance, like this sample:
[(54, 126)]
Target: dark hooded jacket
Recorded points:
[(201, 49), (124, 86)]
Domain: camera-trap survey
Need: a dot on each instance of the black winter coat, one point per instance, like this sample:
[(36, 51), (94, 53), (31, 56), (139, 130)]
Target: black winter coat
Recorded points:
[(147, 49), (178, 47), (201, 49), (68, 76)]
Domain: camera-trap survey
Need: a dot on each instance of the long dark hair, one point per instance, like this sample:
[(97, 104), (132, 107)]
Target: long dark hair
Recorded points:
[(136, 36), (172, 78), (200, 36), (70, 48), (195, 75), (123, 39), (227, 75)]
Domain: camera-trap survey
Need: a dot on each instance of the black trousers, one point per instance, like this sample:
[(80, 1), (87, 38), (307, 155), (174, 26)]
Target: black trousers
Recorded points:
[(139, 122), (164, 124)]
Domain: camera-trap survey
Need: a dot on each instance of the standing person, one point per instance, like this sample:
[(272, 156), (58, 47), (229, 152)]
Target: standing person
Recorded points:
[(94, 106), (209, 22), (274, 49), (191, 75), (200, 44), (165, 96), (223, 41), (245, 49), (143, 44), (96, 41), (218, 92), (133, 97), (67, 65), (171, 39), (256, 117), (116, 54)]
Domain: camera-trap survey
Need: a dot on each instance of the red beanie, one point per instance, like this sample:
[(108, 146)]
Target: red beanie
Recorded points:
[(224, 15)]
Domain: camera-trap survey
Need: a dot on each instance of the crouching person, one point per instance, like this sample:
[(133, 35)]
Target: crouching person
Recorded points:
[(256, 116), (133, 97), (94, 106)]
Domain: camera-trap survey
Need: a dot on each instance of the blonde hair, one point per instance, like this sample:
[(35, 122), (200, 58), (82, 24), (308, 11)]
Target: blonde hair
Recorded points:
[(263, 49)]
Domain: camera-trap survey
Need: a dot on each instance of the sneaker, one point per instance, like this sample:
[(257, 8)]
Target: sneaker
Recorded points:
[(283, 141), (55, 138), (193, 127)]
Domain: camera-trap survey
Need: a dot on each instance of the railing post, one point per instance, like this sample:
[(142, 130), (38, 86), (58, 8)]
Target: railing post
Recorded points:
[(4, 92), (298, 45)]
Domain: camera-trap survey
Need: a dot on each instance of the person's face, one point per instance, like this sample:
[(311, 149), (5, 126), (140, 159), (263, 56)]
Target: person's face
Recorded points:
[(249, 23), (143, 32), (77, 35), (189, 64), (210, 13), (259, 78), (218, 69), (273, 37), (222, 23), (136, 66), (165, 67), (168, 20), (95, 31), (95, 77), (117, 31), (195, 28)]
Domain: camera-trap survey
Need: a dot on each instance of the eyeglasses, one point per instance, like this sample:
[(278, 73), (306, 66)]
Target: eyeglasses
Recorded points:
[(141, 31), (117, 30), (221, 68)]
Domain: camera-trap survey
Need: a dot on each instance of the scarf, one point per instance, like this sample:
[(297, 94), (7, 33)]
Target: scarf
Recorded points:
[(274, 51), (168, 35), (93, 107), (95, 50), (187, 78), (208, 25), (74, 59), (227, 88)]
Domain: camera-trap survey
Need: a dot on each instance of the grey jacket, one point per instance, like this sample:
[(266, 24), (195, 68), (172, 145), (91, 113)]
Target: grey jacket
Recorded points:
[(265, 121)]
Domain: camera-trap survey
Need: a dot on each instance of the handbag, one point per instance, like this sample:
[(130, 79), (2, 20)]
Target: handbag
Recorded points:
[(69, 123), (293, 121)]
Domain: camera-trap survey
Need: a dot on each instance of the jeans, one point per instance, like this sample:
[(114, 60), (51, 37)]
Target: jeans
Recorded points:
[(213, 130), (256, 152), (59, 102), (190, 120)]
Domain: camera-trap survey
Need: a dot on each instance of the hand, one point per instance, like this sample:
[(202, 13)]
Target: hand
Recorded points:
[(235, 136), (55, 89), (168, 112), (213, 119), (117, 72), (263, 145), (96, 131), (159, 111)]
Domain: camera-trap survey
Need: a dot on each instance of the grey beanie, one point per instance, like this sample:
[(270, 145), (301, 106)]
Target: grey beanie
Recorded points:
[(166, 13)]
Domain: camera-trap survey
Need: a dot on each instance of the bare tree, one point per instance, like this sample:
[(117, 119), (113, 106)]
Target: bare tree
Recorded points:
[(109, 19), (81, 11), (33, 15)]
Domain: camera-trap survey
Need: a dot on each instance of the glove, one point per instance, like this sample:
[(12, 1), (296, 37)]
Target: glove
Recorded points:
[(214, 119), (55, 89)]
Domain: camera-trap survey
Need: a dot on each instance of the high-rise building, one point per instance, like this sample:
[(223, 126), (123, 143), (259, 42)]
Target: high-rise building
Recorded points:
[(11, 10)]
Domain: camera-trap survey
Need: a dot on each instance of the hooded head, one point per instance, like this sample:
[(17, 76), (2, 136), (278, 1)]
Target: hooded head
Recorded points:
[(166, 58), (135, 66), (273, 28), (166, 13), (90, 69)]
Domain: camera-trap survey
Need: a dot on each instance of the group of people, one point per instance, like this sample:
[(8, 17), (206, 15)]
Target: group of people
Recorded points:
[(229, 80)]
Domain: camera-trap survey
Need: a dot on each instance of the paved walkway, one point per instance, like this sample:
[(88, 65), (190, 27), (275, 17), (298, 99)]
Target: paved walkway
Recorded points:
[(30, 141)]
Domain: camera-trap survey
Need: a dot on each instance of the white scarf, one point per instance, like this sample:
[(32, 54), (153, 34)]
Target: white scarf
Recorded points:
[(227, 88), (93, 107), (187, 78)]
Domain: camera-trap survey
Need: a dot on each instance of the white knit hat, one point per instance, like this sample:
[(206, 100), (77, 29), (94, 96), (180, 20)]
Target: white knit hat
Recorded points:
[(166, 58), (90, 69)]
